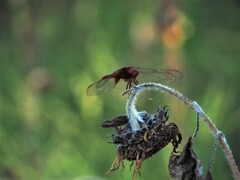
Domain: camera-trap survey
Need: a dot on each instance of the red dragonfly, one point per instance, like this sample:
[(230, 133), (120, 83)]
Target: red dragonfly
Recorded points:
[(129, 74)]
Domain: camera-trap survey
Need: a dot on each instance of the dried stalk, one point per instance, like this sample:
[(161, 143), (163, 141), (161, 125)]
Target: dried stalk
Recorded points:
[(134, 116)]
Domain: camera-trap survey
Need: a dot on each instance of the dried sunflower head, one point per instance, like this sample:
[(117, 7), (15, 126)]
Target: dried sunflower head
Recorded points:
[(155, 133)]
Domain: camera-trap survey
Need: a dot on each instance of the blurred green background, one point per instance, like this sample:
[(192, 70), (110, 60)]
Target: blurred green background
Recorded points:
[(51, 51)]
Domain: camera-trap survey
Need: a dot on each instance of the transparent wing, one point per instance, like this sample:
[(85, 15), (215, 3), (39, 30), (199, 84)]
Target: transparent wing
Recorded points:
[(101, 86), (166, 75)]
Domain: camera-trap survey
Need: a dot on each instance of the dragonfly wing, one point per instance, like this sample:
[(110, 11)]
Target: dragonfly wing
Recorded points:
[(101, 86), (166, 75)]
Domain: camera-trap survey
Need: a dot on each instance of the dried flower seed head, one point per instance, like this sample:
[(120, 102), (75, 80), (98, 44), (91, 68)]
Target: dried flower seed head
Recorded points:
[(155, 134)]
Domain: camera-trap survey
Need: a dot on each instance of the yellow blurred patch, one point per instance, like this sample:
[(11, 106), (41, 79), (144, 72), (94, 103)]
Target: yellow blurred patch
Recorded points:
[(89, 107)]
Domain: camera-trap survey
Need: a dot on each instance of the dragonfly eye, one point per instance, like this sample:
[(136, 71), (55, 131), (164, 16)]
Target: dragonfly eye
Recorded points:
[(133, 73)]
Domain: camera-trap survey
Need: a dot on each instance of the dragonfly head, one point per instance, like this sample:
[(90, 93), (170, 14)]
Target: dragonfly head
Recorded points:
[(133, 72)]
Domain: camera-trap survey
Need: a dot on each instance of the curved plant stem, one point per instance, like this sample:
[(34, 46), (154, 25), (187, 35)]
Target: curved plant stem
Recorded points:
[(134, 117)]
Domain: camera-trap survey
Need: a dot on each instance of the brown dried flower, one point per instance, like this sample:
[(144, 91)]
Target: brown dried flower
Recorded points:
[(155, 134)]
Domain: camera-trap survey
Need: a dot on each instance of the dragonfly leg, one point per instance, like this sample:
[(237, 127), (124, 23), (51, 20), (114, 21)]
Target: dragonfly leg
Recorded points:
[(134, 81), (128, 85)]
